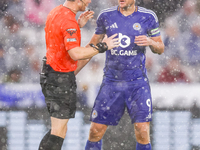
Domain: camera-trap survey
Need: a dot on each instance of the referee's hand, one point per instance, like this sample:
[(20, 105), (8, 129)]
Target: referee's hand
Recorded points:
[(84, 17)]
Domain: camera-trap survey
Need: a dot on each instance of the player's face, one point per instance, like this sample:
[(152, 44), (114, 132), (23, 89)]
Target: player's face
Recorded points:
[(125, 4), (83, 4)]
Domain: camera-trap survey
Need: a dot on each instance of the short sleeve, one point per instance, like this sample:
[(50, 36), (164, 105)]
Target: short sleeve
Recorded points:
[(100, 29), (71, 35), (153, 26)]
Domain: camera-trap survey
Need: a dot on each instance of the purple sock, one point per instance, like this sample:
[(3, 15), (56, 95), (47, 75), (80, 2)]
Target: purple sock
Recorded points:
[(93, 145), (143, 146)]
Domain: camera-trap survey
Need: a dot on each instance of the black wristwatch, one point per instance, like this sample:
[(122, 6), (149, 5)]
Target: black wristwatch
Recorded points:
[(101, 47)]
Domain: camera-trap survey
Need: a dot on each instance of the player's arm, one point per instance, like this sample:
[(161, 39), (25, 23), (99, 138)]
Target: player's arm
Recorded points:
[(155, 43), (84, 54), (97, 38), (81, 63), (79, 53)]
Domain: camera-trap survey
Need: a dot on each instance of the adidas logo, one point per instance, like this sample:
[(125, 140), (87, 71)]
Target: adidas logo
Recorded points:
[(114, 25)]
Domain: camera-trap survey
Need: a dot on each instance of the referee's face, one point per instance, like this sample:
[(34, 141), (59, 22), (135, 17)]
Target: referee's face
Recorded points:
[(83, 4), (126, 4)]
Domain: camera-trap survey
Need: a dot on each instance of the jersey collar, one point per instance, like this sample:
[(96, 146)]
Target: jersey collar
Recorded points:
[(69, 9), (136, 9)]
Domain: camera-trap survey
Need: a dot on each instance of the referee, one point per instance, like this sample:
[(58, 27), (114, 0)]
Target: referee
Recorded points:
[(64, 59)]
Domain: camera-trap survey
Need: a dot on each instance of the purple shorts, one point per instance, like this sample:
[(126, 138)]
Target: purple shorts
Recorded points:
[(114, 97)]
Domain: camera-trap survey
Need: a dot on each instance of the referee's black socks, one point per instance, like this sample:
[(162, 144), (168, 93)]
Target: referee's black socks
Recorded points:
[(54, 143), (51, 142), (44, 140)]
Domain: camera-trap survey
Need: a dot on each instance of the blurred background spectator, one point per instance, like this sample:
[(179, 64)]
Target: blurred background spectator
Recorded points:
[(172, 72), (16, 9), (36, 11), (3, 69), (13, 41), (171, 39), (23, 43), (186, 15), (197, 7), (13, 76), (3, 7), (191, 53), (30, 65), (161, 8)]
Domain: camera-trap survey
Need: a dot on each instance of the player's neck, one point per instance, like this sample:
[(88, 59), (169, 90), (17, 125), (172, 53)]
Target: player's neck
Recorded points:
[(126, 11), (71, 6)]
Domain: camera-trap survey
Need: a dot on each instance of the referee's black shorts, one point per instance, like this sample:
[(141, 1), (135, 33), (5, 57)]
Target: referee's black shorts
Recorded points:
[(59, 89)]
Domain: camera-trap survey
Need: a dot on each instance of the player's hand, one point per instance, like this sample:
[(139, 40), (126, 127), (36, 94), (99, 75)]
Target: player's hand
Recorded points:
[(84, 17), (111, 42), (142, 40)]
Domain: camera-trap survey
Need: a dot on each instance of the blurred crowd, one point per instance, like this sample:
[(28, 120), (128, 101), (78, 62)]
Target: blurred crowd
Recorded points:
[(22, 43), (180, 61)]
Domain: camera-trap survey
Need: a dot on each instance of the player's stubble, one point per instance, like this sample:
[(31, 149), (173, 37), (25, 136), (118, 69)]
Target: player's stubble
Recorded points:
[(125, 8)]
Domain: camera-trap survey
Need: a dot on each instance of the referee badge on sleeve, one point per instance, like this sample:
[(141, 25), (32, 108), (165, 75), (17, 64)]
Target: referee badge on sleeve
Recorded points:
[(71, 40), (71, 31)]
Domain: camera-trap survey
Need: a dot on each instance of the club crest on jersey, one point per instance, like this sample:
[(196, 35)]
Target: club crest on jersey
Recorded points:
[(136, 26), (71, 31), (94, 114)]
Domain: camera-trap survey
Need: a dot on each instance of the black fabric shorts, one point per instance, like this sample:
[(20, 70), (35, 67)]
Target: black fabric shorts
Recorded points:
[(59, 89)]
